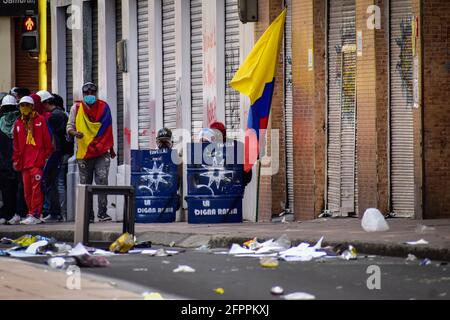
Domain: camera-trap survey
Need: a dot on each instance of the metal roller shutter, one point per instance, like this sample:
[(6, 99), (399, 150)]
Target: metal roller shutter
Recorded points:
[(341, 160), (196, 67), (401, 102), (288, 104), (69, 66), (232, 61), (143, 75), (94, 42), (168, 50), (119, 87)]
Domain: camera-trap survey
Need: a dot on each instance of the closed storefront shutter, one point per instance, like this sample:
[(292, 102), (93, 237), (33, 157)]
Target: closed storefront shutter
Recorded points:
[(401, 102), (119, 87), (196, 67), (232, 61), (341, 159), (143, 75), (288, 103), (94, 42), (69, 65), (168, 53)]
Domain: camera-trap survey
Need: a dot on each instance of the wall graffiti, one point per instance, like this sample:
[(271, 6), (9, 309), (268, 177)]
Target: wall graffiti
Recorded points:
[(405, 62)]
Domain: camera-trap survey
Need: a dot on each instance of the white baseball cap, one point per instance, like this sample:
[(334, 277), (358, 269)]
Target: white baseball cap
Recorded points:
[(9, 100), (26, 99), (44, 95)]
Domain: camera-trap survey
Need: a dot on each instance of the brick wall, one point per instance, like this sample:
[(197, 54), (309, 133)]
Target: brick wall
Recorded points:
[(436, 110), (303, 109), (272, 189)]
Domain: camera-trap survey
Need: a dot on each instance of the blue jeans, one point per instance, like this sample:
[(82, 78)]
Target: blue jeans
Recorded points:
[(50, 185)]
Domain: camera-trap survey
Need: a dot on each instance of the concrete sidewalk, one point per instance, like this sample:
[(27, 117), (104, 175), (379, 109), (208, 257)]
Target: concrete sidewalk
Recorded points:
[(335, 231)]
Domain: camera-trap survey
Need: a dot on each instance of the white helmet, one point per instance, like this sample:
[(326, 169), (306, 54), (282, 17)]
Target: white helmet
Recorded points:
[(26, 99), (9, 100), (206, 135), (44, 95)]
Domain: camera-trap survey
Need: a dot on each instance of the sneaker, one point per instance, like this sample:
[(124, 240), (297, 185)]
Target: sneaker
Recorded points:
[(14, 220), (50, 218), (2, 221), (103, 217), (31, 220)]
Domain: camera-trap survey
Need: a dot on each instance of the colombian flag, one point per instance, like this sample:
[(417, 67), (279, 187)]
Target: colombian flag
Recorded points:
[(96, 125), (255, 78)]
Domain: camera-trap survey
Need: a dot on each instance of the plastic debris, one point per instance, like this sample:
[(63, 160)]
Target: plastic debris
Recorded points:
[(373, 221), (283, 242), (159, 252), (299, 296), (100, 252), (252, 244), (277, 290), (152, 296), (79, 250), (123, 244), (171, 244), (219, 290), (25, 241), (349, 254), (33, 248), (63, 247), (422, 229), (411, 257), (61, 263), (414, 243), (237, 249), (184, 268), (143, 244), (269, 262), (4, 253), (5, 240), (203, 247), (425, 262), (90, 261)]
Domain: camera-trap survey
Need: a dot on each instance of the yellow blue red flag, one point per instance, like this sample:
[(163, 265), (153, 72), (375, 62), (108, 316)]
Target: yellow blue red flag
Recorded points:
[(255, 78)]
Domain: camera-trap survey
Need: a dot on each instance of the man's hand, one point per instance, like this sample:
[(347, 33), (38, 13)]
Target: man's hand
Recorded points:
[(79, 135), (112, 153)]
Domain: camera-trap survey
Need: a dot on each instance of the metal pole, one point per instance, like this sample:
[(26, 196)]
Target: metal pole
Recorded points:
[(42, 44)]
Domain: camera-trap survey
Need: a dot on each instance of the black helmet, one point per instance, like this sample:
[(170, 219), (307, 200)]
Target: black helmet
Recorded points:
[(164, 133)]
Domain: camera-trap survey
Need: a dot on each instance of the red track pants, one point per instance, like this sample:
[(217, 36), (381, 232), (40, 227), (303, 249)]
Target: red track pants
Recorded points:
[(33, 192)]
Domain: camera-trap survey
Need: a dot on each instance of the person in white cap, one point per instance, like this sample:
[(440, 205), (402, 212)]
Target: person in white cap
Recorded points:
[(32, 147), (8, 177), (56, 121)]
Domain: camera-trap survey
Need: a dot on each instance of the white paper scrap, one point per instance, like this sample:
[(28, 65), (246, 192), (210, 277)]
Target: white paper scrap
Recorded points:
[(32, 248), (421, 241)]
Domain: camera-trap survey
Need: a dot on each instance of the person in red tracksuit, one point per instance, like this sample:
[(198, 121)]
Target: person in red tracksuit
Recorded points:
[(32, 146)]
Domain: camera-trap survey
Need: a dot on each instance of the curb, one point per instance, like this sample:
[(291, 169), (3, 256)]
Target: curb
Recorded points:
[(191, 240)]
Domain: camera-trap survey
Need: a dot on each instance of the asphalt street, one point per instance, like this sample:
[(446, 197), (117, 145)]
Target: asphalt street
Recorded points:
[(243, 278)]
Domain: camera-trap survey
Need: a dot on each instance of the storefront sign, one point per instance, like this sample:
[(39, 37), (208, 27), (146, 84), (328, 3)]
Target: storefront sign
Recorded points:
[(18, 8)]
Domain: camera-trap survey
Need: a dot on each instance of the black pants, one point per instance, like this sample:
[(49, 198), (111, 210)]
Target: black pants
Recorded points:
[(8, 187), (50, 185)]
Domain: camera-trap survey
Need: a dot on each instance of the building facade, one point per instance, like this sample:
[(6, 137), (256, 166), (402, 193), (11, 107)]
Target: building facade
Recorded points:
[(359, 102)]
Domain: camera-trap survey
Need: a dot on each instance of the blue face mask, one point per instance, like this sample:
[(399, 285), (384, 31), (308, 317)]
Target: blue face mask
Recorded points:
[(90, 99)]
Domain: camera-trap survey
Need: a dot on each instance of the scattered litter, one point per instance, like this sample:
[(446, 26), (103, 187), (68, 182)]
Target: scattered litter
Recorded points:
[(269, 262), (252, 244), (172, 244), (349, 254), (4, 253), (90, 261), (255, 255), (136, 251), (425, 262), (203, 247), (411, 257), (184, 268), (123, 244), (5, 240), (143, 244), (374, 221), (237, 249), (20, 254), (421, 229), (62, 247), (79, 250), (165, 262), (414, 243), (152, 296), (299, 296), (219, 290), (100, 252), (159, 252), (277, 290), (61, 263), (25, 240), (34, 247), (140, 269)]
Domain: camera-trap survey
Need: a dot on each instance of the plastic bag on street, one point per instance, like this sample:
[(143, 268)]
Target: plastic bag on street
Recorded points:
[(373, 221), (123, 244)]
